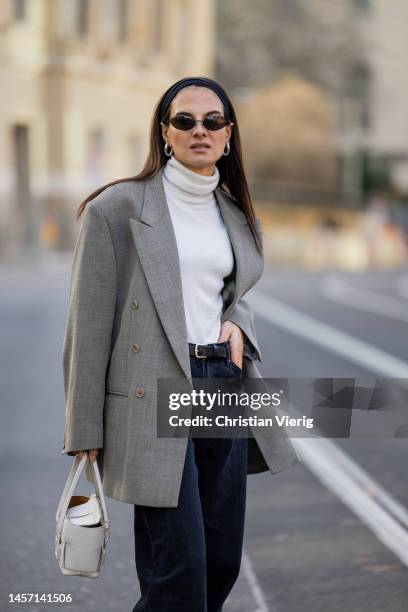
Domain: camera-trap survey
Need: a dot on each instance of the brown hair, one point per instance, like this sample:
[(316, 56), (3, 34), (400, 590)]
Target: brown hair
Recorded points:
[(231, 168)]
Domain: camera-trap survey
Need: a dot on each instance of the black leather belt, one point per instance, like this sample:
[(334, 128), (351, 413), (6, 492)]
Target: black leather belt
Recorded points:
[(207, 350)]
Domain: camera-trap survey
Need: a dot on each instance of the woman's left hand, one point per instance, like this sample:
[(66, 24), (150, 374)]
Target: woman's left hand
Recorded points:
[(230, 331)]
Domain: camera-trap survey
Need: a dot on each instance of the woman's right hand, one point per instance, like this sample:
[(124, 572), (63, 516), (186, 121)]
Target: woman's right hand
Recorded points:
[(92, 454)]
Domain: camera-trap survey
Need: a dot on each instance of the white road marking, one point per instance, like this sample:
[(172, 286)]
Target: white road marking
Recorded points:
[(358, 491), (376, 508), (327, 336), (370, 301), (254, 585)]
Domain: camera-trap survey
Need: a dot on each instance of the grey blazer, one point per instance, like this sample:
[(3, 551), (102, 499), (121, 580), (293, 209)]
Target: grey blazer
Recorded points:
[(126, 328)]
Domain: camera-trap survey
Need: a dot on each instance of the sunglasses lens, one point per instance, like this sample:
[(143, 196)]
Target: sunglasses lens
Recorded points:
[(214, 123), (210, 123), (182, 123)]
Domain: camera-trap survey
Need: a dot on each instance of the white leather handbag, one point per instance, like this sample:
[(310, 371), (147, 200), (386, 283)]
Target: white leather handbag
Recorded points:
[(82, 526)]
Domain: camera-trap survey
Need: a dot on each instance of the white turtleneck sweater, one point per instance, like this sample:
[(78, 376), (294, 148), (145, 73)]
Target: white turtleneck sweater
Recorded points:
[(204, 248)]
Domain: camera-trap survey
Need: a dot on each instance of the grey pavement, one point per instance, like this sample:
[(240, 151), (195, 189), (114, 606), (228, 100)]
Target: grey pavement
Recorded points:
[(307, 550)]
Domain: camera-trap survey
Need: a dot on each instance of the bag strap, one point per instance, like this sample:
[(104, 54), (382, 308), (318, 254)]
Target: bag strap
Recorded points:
[(71, 476), (74, 474), (101, 497)]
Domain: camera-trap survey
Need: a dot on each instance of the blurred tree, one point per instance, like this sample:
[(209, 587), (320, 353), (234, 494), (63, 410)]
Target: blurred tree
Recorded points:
[(305, 121), (256, 41), (297, 145)]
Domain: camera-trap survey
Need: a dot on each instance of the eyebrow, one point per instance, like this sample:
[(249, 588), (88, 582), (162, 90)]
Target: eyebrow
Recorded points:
[(191, 114)]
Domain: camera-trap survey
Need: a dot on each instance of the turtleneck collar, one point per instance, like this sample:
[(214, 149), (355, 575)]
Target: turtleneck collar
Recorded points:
[(191, 186)]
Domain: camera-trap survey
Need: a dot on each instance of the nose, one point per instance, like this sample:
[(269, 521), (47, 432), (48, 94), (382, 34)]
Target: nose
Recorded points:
[(199, 128)]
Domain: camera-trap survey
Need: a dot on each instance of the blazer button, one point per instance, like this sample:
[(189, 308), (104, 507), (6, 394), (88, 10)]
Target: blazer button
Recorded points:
[(135, 348), (135, 304), (140, 392)]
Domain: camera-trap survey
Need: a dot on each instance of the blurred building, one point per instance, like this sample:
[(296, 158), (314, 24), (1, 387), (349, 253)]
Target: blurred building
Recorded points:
[(374, 122), (353, 54), (386, 50), (79, 81)]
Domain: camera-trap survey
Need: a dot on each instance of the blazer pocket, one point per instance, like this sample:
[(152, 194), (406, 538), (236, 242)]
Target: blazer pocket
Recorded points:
[(116, 393)]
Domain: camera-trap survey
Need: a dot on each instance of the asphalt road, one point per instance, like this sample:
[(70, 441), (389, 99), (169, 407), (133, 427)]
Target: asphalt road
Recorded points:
[(308, 550), (304, 549)]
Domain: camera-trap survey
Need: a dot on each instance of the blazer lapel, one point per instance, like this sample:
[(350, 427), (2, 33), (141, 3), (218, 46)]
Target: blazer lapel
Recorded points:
[(156, 244), (248, 261)]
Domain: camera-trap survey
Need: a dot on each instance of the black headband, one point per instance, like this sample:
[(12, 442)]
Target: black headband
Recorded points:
[(204, 82)]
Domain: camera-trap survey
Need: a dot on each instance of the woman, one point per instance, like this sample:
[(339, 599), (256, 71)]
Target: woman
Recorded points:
[(160, 266)]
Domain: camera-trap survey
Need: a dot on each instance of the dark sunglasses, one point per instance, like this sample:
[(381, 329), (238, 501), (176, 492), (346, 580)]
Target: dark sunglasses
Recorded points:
[(212, 123)]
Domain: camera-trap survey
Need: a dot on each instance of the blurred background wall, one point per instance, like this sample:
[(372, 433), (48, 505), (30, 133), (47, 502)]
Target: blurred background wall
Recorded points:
[(79, 79), (321, 90)]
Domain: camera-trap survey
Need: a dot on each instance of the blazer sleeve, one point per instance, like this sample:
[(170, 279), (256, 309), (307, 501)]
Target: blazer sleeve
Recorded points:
[(87, 341), (242, 316)]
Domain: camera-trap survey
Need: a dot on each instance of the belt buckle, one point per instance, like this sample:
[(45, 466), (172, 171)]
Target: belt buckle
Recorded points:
[(196, 354)]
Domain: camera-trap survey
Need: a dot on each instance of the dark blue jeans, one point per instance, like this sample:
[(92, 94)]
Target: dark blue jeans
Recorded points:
[(188, 558)]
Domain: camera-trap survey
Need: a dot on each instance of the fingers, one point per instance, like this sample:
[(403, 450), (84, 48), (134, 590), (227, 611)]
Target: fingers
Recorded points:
[(236, 341), (92, 454), (233, 333), (224, 333), (236, 354)]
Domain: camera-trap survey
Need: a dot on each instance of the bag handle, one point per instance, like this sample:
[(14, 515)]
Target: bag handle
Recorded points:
[(75, 472)]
